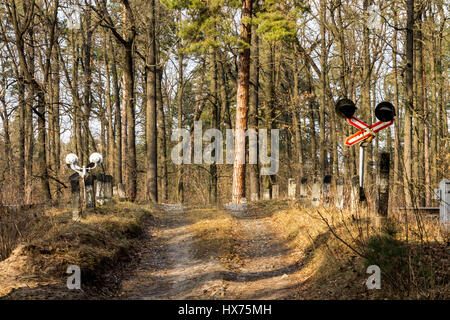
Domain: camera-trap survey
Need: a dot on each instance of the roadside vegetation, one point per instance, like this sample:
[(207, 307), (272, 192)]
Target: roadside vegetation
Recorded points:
[(327, 251), (97, 244), (339, 246)]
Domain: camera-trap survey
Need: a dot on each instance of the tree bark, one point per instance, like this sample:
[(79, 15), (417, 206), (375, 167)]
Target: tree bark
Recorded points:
[(215, 124), (253, 111), (269, 102), (118, 173), (180, 184), (22, 145), (323, 96), (152, 170), (109, 110), (242, 103), (397, 175), (409, 107), (164, 194)]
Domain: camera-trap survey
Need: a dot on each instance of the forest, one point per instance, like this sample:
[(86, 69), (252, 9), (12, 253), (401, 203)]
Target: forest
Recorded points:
[(118, 77), (133, 79)]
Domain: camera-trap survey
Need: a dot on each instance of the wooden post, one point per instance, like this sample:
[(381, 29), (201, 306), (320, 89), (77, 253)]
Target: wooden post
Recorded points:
[(315, 193), (292, 186), (326, 190), (339, 194), (355, 193), (100, 189), (382, 199), (121, 192), (303, 189), (75, 190), (89, 190), (275, 191), (108, 187)]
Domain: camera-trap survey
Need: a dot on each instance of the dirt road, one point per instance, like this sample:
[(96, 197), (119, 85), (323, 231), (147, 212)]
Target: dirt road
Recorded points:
[(168, 267)]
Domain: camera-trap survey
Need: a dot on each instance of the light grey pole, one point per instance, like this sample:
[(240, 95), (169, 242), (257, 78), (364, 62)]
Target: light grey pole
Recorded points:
[(362, 153)]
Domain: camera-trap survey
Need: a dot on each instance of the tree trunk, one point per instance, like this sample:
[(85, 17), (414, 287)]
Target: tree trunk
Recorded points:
[(128, 99), (297, 123), (397, 174), (312, 124), (409, 107), (323, 96), (215, 124), (21, 162), (269, 103), (366, 81), (42, 148), (152, 134), (242, 103), (442, 105), (109, 111), (224, 92), (87, 75), (56, 141), (253, 112), (180, 185), (118, 173), (164, 194), (129, 169), (426, 123)]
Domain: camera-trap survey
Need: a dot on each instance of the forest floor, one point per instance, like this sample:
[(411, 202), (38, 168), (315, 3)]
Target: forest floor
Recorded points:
[(272, 250), (176, 264), (266, 250), (237, 253)]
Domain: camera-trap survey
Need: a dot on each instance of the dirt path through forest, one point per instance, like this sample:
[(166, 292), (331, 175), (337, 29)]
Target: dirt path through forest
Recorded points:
[(269, 265), (168, 267)]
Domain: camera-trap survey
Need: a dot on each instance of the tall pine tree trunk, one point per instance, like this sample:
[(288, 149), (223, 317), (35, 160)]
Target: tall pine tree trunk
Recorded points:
[(242, 103)]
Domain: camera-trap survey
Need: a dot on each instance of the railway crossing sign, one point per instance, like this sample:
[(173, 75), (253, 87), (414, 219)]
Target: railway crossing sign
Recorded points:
[(384, 111), (366, 132)]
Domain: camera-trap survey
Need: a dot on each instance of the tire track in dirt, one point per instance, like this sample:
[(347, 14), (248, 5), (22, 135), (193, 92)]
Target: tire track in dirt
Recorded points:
[(168, 267), (269, 265)]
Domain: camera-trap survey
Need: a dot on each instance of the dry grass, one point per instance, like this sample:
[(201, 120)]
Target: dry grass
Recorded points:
[(12, 227), (340, 245), (215, 235), (95, 244)]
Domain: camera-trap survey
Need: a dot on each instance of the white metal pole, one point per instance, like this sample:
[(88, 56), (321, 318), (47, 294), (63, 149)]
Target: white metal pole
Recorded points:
[(362, 150)]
